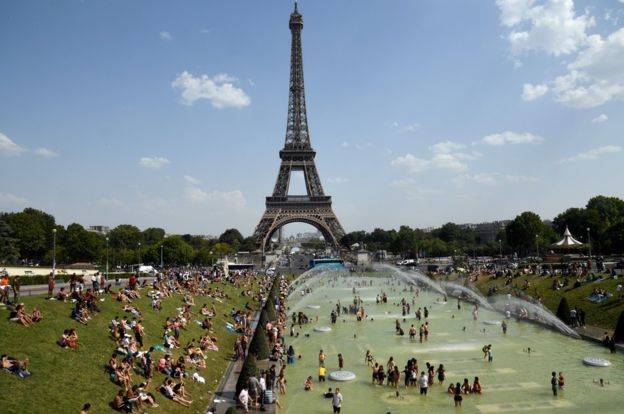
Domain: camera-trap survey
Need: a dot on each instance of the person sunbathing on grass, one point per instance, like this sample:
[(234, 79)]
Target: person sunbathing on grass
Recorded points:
[(61, 295), (18, 314), (132, 310), (206, 311), (169, 387), (206, 342), (15, 366)]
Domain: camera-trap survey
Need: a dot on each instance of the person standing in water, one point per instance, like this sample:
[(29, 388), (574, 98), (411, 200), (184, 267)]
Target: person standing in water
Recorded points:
[(504, 326), (553, 383), (337, 401), (340, 362)]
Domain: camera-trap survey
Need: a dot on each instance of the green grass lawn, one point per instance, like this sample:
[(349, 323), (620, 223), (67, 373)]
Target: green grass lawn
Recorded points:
[(604, 314), (63, 380)]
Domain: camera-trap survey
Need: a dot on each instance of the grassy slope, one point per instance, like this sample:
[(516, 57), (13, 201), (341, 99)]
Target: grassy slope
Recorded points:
[(603, 314), (62, 380)]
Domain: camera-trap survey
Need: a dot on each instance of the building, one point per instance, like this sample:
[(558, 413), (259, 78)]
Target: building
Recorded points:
[(103, 230), (487, 232)]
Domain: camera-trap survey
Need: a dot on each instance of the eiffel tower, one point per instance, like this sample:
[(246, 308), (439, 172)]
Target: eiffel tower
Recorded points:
[(315, 208)]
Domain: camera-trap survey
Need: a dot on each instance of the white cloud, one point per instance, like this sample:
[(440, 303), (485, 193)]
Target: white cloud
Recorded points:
[(411, 163), (510, 137), (531, 92), (153, 162), (191, 180), (551, 26), (344, 144), (596, 76), (405, 128), (46, 153), (8, 147), (165, 35), (8, 198), (445, 156), (492, 179), (232, 199), (600, 119), (446, 147), (219, 90), (593, 154)]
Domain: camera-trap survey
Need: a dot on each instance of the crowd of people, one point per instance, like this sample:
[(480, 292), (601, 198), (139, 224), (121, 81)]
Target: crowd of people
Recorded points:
[(177, 358)]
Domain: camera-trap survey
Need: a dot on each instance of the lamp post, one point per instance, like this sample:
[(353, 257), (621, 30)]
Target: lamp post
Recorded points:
[(162, 263), (53, 253), (211, 259), (537, 244), (589, 242), (139, 255), (106, 257)]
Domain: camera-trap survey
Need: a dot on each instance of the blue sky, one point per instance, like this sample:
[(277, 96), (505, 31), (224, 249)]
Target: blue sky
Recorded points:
[(172, 114)]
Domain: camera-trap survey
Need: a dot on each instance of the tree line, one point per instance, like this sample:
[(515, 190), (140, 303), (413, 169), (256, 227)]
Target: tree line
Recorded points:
[(27, 237), (526, 235)]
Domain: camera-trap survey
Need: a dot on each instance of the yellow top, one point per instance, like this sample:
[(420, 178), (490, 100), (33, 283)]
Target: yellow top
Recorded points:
[(322, 371)]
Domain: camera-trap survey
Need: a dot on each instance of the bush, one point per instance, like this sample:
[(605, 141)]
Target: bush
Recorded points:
[(563, 311), (259, 346), (270, 310), (264, 319), (249, 369), (231, 410), (618, 334)]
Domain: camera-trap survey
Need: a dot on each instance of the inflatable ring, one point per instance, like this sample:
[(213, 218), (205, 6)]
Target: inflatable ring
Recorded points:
[(439, 302), (596, 362), (341, 376), (313, 307), (322, 329), (492, 322)]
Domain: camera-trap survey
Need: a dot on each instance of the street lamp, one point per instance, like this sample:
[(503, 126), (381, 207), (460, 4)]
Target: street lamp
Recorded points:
[(211, 259), (161, 257), (537, 244), (139, 254), (589, 242), (106, 257), (53, 253)]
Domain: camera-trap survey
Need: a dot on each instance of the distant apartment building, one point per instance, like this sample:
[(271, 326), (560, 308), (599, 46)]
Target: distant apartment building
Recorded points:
[(486, 232), (99, 229)]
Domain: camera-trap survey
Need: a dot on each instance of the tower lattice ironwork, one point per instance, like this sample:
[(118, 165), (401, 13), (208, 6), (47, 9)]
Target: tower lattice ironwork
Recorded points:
[(315, 208)]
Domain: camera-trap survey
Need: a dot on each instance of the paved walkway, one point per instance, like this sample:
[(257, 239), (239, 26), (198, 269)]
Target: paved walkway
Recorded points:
[(29, 290)]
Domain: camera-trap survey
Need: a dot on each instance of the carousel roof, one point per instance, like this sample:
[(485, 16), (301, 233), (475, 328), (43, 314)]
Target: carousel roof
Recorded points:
[(567, 241)]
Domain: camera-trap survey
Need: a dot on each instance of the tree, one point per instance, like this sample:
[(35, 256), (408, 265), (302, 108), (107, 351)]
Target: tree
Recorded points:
[(259, 346), (563, 311), (231, 237), (249, 369), (125, 236), (153, 235), (33, 231), (9, 253), (521, 232), (249, 244), (177, 251), (81, 245)]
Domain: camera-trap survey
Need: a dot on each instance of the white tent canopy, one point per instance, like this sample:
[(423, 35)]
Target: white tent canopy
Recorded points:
[(567, 241)]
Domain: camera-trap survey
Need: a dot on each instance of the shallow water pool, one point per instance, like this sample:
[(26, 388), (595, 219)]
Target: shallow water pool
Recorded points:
[(515, 382)]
